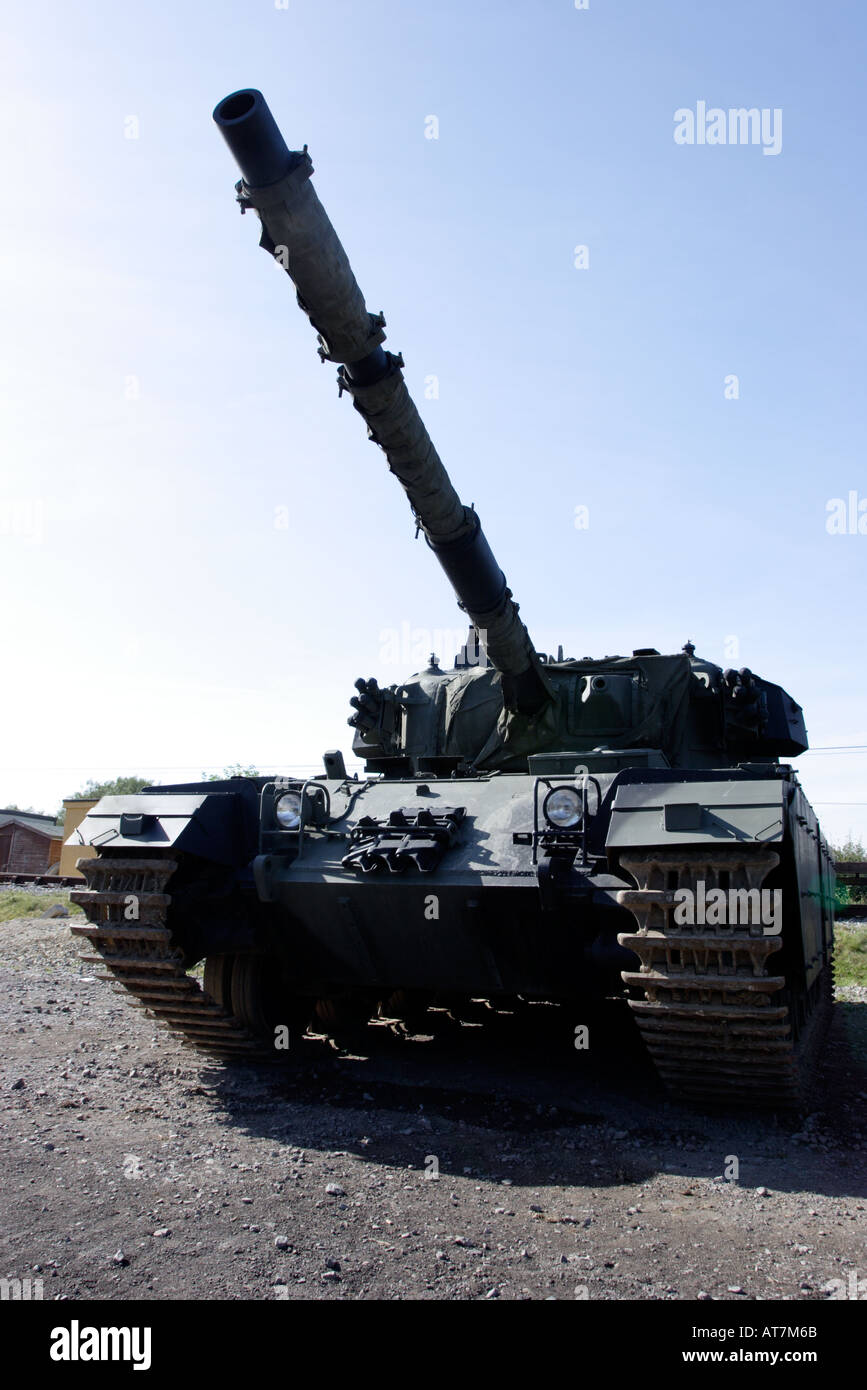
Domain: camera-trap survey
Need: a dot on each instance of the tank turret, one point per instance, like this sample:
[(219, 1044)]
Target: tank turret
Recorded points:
[(296, 231)]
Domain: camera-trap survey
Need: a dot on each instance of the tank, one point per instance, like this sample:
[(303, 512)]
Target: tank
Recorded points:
[(528, 828)]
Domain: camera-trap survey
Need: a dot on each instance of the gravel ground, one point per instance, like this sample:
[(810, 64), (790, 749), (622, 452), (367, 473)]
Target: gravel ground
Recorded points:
[(481, 1163)]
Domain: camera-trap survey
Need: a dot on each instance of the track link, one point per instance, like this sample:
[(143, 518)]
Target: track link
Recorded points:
[(713, 1018), (127, 909)]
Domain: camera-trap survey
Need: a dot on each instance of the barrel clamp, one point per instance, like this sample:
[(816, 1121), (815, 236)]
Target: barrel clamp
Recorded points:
[(273, 194), (364, 393)]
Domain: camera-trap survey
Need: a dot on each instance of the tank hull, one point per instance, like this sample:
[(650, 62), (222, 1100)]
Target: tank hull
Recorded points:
[(703, 898)]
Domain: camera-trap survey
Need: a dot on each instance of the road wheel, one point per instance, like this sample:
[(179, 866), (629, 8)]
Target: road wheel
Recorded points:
[(345, 1010), (260, 1000), (217, 980)]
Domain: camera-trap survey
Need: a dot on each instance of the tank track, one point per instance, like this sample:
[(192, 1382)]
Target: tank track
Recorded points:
[(143, 962), (715, 1022)]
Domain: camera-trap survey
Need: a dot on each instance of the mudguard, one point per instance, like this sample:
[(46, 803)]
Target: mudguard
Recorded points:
[(709, 813), (215, 825)]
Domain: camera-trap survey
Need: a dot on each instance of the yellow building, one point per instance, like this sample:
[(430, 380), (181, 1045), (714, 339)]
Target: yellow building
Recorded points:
[(74, 812)]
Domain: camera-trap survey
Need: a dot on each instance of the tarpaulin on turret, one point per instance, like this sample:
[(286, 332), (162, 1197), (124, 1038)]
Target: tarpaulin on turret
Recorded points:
[(619, 702)]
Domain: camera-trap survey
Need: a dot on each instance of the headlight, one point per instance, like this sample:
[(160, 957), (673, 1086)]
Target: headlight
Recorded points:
[(562, 807), (288, 811)]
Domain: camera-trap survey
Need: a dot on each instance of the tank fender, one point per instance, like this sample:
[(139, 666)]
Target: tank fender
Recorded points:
[(690, 813), (211, 824)]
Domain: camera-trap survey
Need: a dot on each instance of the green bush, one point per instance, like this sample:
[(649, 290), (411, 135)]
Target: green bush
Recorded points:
[(851, 851), (850, 956)]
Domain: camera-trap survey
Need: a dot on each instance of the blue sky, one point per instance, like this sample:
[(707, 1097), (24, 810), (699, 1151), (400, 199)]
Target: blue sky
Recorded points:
[(162, 399)]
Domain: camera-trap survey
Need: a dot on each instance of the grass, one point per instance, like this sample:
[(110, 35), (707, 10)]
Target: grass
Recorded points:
[(15, 902), (850, 955)]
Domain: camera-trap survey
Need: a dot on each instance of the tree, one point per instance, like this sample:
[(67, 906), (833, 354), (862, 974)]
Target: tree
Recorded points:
[(236, 770), (121, 786), (851, 851)]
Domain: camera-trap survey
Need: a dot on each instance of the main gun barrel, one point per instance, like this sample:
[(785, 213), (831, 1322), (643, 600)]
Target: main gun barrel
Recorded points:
[(296, 231)]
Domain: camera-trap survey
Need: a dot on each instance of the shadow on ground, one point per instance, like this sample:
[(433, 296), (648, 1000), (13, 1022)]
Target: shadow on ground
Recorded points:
[(513, 1100)]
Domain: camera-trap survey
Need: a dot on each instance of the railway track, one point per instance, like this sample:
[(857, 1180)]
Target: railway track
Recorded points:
[(8, 880)]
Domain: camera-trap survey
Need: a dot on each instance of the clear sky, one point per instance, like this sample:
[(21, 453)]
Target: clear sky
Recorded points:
[(163, 406)]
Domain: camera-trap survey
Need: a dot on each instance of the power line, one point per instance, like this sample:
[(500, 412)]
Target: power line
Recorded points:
[(839, 748), (288, 761)]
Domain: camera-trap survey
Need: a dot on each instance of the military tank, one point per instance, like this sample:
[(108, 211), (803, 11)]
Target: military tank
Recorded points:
[(526, 828)]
